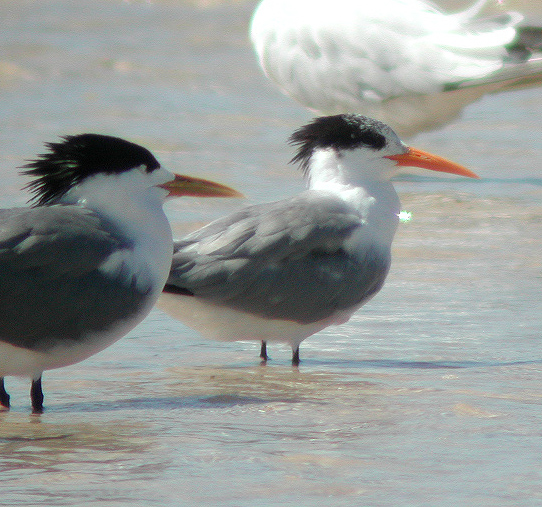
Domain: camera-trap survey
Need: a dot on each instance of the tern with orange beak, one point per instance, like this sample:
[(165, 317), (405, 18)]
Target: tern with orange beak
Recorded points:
[(87, 262), (284, 270)]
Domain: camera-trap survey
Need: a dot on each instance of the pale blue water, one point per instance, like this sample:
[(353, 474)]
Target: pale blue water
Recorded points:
[(430, 396)]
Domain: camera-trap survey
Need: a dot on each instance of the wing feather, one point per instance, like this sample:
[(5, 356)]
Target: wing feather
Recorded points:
[(52, 286), (282, 260)]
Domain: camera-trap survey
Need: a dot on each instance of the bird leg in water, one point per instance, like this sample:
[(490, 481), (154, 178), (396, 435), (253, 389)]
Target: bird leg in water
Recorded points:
[(295, 357), (4, 396), (36, 395), (263, 351)]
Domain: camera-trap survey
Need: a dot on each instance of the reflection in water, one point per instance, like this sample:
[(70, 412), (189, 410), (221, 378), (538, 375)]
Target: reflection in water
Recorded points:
[(316, 431), (38, 445)]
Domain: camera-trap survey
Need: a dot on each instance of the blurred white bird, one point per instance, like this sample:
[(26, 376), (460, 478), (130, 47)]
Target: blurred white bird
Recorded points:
[(404, 62)]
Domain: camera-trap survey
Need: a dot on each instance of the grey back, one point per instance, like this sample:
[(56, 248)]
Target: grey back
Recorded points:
[(51, 287), (282, 260)]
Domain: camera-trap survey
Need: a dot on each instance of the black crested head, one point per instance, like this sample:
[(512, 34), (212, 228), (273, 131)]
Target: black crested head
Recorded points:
[(339, 132), (77, 157)]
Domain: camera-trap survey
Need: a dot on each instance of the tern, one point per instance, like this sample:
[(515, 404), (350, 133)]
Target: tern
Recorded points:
[(87, 261), (282, 271), (404, 62)]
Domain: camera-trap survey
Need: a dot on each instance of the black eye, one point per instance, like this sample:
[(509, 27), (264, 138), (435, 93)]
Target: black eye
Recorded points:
[(373, 139)]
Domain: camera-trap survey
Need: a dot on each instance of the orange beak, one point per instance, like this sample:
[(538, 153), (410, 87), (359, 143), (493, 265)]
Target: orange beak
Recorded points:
[(187, 185), (418, 158)]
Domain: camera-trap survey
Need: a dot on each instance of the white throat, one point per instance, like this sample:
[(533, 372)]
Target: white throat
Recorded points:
[(363, 182)]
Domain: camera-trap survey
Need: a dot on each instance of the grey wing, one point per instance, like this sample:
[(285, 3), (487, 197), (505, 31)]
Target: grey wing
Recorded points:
[(281, 260), (52, 286)]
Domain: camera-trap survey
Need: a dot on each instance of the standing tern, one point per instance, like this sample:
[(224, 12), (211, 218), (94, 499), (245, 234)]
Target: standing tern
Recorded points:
[(88, 261), (284, 270), (404, 62)]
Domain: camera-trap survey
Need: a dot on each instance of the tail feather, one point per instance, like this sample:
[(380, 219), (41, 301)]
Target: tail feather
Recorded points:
[(511, 76)]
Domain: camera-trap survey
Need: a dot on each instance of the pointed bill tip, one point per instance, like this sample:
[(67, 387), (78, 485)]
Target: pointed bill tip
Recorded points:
[(197, 187), (418, 158)]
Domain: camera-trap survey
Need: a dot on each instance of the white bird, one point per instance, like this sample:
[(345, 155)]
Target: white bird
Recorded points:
[(88, 261), (404, 62), (284, 270)]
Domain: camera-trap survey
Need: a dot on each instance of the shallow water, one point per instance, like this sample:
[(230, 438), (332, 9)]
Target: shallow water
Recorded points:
[(430, 395)]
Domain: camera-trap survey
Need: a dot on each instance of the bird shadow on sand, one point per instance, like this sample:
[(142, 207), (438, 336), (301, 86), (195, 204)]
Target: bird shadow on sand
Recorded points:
[(146, 403), (312, 374)]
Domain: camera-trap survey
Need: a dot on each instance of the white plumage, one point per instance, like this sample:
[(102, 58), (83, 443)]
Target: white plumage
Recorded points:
[(404, 62)]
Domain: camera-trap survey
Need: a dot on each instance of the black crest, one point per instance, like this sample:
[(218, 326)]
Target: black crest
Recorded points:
[(77, 157), (339, 132)]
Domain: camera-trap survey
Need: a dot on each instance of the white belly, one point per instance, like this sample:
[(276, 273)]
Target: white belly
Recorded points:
[(225, 324), (31, 363)]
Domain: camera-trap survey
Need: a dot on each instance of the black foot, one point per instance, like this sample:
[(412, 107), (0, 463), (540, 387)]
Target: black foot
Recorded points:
[(295, 357), (36, 395), (4, 396), (263, 352)]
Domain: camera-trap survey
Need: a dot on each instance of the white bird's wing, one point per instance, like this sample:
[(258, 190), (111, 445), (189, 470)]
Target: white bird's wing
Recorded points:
[(282, 260), (54, 286), (365, 56)]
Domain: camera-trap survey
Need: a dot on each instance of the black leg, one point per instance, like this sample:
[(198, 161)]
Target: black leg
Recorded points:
[(4, 396), (263, 351), (36, 395), (295, 357)]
